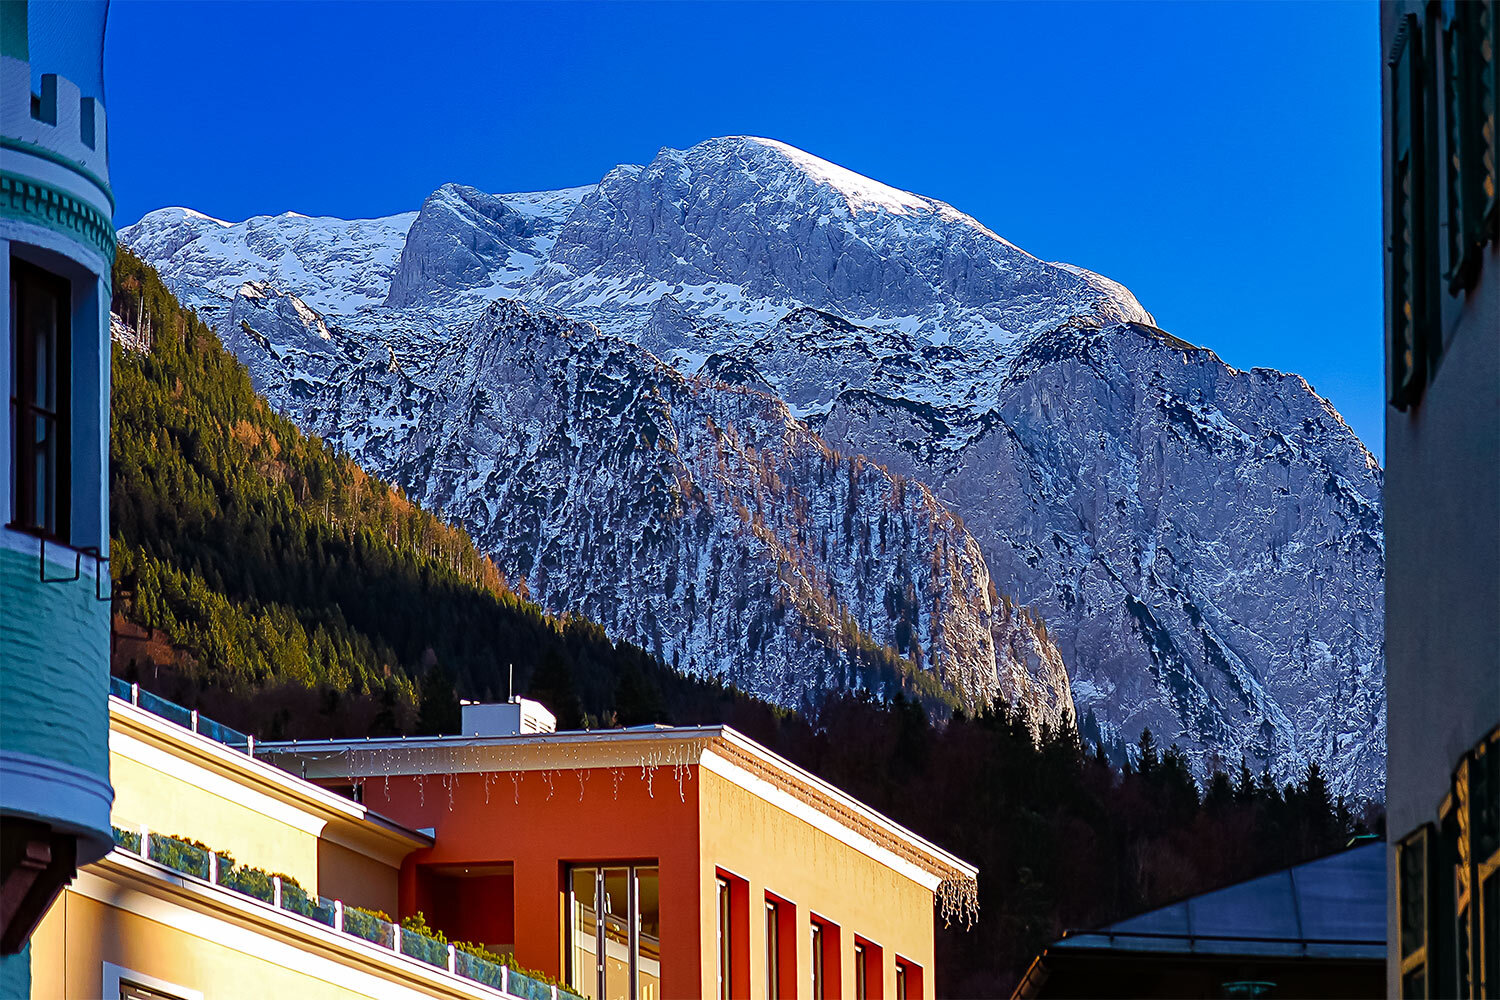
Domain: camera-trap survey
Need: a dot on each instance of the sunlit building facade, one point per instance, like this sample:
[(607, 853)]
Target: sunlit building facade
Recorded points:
[(1442, 497), (57, 247), (230, 878), (655, 862)]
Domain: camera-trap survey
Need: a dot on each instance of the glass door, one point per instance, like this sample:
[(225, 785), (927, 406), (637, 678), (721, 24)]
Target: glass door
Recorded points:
[(614, 932), (615, 924), (583, 933)]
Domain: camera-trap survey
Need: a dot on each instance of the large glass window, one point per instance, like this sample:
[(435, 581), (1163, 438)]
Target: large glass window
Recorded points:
[(39, 310), (614, 932), (648, 933)]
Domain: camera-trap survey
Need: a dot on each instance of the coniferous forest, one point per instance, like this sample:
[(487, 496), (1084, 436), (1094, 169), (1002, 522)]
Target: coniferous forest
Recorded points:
[(265, 579)]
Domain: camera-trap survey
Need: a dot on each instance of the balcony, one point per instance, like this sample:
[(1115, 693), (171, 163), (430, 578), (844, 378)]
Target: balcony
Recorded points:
[(203, 868)]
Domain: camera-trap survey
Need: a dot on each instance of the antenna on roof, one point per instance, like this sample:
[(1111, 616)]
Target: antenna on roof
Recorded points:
[(510, 685)]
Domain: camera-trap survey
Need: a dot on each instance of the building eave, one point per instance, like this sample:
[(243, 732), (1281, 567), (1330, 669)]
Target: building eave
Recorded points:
[(680, 745), (343, 821)]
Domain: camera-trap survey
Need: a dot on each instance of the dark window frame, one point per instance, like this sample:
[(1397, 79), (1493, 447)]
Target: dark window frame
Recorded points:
[(29, 285), (1468, 99), (1448, 887), (1413, 892)]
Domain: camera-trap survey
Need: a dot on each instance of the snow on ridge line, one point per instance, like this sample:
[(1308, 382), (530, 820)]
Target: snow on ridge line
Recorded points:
[(178, 212), (863, 193), (860, 191)]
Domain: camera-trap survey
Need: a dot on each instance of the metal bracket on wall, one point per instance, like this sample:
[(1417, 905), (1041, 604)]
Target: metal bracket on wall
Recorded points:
[(100, 561)]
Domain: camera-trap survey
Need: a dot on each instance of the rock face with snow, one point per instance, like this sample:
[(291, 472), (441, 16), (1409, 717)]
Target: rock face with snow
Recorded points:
[(1203, 544), (699, 519)]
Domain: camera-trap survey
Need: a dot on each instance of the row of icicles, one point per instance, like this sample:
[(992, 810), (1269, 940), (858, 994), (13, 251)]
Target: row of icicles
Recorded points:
[(957, 896)]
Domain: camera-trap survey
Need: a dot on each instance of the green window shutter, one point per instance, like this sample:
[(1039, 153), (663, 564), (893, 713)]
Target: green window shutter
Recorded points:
[(1407, 323), (1490, 43), (1468, 130)]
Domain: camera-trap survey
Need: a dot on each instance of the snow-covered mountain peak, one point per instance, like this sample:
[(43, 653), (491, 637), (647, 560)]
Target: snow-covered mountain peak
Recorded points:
[(861, 193), (850, 364)]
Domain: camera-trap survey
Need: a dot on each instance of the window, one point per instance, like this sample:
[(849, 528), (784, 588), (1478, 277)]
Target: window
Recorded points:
[(39, 311), (824, 960), (1448, 887), (1469, 122), (773, 951), (908, 980), (614, 932), (815, 956), (732, 903), (1476, 804), (726, 938), (869, 970), (1411, 325), (126, 984), (1411, 903), (781, 948)]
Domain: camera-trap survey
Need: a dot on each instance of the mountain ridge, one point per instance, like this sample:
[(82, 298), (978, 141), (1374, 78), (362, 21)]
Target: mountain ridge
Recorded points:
[(1034, 399)]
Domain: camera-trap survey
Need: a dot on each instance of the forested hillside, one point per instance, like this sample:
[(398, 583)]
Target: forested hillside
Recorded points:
[(268, 581), (253, 559)]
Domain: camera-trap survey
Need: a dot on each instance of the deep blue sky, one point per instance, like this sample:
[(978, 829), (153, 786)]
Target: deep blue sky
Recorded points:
[(1221, 160)]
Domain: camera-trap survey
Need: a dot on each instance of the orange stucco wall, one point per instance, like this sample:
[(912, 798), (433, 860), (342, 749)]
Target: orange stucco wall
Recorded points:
[(582, 816), (694, 828)]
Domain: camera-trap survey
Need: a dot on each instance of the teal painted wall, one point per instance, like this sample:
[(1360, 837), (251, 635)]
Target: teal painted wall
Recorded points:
[(15, 975), (54, 664)]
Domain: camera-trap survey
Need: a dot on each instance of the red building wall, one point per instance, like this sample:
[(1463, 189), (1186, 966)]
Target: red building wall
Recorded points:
[(540, 823)]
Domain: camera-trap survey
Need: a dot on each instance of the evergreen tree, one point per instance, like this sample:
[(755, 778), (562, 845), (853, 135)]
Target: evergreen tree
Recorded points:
[(1146, 757)]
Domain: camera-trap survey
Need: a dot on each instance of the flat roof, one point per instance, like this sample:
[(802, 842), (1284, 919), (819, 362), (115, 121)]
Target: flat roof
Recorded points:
[(671, 746)]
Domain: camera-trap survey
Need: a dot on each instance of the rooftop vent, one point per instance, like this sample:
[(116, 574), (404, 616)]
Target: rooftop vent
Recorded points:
[(517, 717)]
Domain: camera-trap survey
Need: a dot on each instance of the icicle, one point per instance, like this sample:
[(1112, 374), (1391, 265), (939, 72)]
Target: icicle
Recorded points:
[(958, 899)]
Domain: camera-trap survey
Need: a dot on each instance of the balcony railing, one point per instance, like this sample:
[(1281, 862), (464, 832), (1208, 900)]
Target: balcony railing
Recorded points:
[(186, 718), (196, 862)]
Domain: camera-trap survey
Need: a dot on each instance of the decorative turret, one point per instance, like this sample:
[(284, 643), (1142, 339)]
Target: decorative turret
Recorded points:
[(54, 169), (57, 245)]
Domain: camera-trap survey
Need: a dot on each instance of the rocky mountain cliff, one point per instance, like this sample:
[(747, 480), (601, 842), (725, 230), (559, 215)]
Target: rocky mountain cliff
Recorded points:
[(700, 519), (1203, 544)]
